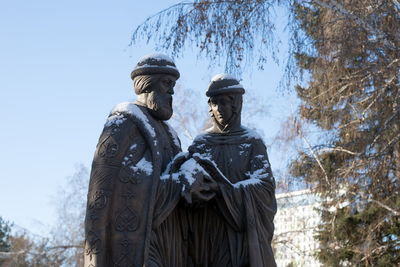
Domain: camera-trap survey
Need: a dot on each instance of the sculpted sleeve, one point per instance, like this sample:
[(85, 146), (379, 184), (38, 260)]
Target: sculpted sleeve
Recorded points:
[(259, 189), (252, 205)]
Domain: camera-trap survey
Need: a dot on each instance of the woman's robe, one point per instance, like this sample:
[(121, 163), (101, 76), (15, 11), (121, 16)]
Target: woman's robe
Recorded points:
[(236, 227)]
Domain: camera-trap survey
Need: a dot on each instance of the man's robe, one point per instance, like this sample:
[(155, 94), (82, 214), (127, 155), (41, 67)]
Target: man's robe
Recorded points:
[(236, 227), (127, 202)]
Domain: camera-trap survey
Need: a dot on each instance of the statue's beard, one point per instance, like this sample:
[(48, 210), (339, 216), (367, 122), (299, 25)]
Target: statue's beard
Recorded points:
[(159, 105)]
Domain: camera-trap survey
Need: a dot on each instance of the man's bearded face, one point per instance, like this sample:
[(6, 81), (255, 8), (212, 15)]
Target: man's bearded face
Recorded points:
[(159, 98)]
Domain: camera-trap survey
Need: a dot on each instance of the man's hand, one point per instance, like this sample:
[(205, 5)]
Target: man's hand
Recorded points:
[(203, 189)]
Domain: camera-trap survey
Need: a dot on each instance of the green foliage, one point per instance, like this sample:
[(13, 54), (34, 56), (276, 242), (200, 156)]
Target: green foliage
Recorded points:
[(354, 98), (64, 247), (26, 252), (20, 250), (5, 231), (350, 51)]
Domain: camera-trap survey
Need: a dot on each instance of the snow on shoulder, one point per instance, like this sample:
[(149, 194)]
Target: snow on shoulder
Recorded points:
[(252, 134), (132, 109), (201, 136), (115, 119)]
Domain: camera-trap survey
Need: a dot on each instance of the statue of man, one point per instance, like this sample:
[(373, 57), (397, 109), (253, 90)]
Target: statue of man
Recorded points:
[(235, 227), (133, 217)]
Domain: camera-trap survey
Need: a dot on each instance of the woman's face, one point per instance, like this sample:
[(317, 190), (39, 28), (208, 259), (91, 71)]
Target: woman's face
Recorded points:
[(222, 108)]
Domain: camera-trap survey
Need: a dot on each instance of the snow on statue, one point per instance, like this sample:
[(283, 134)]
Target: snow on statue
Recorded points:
[(151, 205), (233, 203), (133, 217)]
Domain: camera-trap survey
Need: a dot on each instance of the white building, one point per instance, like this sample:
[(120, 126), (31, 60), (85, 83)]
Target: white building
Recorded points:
[(295, 225)]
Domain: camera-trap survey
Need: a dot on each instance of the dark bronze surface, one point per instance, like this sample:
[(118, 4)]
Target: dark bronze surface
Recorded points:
[(212, 206)]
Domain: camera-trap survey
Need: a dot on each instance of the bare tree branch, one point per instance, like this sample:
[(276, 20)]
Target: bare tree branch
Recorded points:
[(339, 149), (315, 157)]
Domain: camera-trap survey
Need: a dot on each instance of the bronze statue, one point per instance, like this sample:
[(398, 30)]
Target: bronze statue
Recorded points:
[(233, 200), (149, 205), (133, 217)]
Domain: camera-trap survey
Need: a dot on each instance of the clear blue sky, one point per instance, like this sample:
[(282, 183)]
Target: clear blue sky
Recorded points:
[(63, 66)]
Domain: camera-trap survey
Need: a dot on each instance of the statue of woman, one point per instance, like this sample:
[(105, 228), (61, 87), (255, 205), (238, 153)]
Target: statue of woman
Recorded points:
[(231, 220)]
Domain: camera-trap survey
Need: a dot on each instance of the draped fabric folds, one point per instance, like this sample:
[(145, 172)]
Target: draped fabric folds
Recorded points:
[(239, 220)]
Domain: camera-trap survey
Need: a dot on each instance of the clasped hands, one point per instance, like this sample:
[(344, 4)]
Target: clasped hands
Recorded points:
[(203, 189), (199, 185)]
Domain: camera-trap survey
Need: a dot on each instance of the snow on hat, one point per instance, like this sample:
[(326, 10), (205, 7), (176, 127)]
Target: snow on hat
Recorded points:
[(155, 64), (224, 84)]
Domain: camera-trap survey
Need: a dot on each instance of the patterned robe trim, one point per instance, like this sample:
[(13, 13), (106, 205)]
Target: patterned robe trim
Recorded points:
[(143, 119), (135, 115)]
